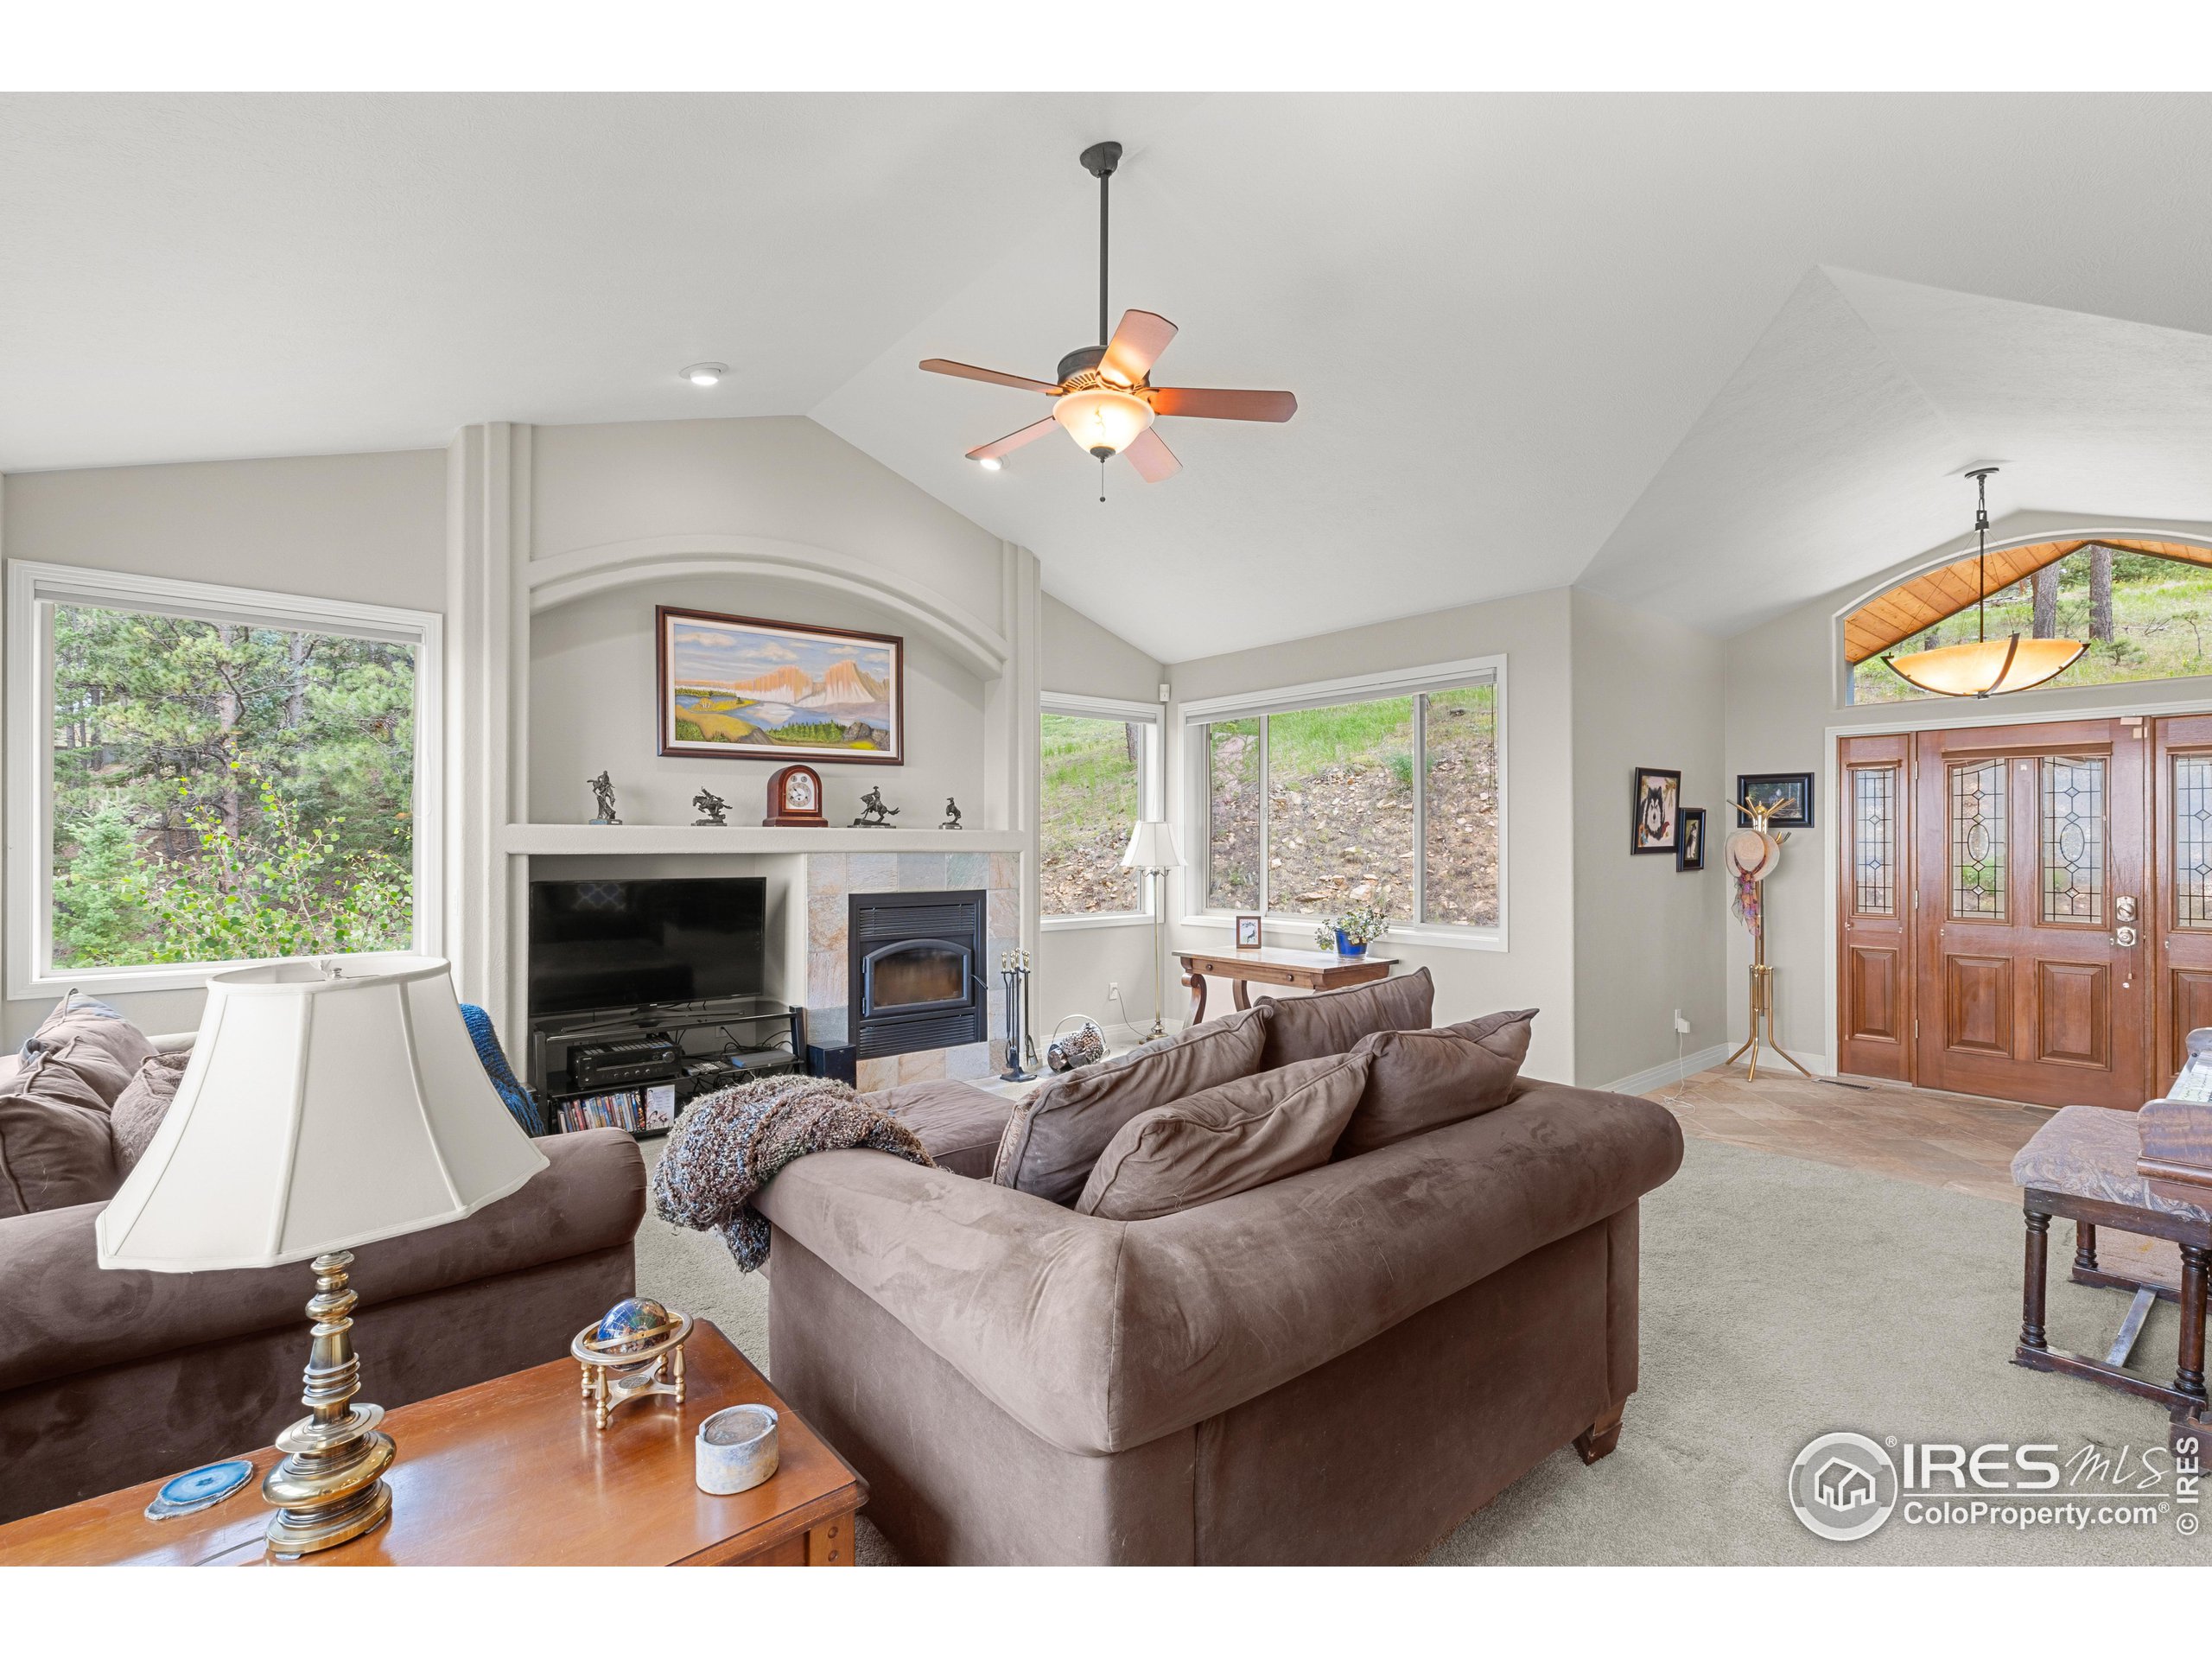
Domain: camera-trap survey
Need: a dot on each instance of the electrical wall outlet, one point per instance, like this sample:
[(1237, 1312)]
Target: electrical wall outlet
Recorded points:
[(1682, 1025), (1113, 991)]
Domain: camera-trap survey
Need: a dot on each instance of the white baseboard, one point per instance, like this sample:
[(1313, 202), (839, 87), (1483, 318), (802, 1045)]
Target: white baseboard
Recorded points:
[(1658, 1076)]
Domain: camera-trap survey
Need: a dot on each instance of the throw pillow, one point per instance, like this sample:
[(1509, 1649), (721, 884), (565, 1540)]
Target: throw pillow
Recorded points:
[(95, 1041), (1422, 1080), (1056, 1135), (1329, 1022), (144, 1104), (1225, 1141), (55, 1149)]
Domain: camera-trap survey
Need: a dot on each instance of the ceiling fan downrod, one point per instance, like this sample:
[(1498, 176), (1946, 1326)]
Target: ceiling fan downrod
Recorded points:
[(1100, 161)]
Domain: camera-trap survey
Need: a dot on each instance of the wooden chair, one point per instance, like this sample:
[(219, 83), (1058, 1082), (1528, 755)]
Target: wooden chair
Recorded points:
[(2149, 1174)]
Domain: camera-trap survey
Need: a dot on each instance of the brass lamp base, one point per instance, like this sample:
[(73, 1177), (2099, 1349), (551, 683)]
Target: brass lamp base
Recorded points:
[(330, 1486)]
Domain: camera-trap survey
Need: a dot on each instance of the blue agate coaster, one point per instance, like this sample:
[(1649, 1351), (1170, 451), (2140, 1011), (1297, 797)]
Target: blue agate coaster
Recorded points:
[(199, 1489)]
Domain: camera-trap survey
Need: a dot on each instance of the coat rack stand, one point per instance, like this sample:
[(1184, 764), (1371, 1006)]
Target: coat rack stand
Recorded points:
[(1751, 855)]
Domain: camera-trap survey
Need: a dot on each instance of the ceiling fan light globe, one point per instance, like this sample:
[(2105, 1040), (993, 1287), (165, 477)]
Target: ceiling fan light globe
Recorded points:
[(1103, 419)]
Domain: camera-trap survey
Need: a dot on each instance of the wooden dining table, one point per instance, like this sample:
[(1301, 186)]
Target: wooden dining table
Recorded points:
[(1304, 970)]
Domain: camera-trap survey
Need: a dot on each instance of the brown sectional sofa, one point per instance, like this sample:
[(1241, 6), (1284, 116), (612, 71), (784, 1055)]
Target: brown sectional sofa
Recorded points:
[(1338, 1367), (108, 1379)]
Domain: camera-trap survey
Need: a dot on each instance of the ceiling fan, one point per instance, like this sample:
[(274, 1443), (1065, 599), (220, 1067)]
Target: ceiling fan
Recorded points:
[(1104, 398)]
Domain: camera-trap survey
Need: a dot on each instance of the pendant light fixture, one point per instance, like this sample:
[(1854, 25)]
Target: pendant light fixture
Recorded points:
[(1986, 667)]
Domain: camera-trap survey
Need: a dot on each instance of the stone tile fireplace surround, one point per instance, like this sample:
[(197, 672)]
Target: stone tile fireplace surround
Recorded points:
[(833, 878)]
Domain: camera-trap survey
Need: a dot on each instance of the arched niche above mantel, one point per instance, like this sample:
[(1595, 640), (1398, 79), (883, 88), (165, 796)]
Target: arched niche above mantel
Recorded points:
[(582, 573)]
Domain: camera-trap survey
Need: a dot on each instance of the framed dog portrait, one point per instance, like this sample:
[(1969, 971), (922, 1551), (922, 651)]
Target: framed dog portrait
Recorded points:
[(1656, 813), (1690, 855), (738, 687)]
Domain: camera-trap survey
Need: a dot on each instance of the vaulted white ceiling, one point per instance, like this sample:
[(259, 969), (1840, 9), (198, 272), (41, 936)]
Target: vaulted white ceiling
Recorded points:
[(1711, 355)]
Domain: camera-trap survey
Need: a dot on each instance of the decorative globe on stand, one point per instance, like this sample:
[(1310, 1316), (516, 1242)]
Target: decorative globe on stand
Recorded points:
[(634, 1350), (630, 1326)]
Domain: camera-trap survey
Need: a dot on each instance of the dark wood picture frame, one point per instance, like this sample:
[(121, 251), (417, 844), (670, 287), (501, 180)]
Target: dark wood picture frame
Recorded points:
[(1671, 784), (1689, 839), (1801, 782), (666, 617)]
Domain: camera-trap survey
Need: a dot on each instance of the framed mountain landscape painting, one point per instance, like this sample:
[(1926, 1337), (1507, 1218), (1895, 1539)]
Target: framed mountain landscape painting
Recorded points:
[(738, 687)]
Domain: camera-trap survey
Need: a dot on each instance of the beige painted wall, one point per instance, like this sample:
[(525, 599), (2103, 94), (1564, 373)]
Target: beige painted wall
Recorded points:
[(1533, 633), (1075, 966), (1783, 712), (1646, 938), (367, 528)]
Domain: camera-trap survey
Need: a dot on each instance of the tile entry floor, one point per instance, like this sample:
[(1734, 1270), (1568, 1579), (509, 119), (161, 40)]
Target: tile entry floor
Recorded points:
[(1960, 1142)]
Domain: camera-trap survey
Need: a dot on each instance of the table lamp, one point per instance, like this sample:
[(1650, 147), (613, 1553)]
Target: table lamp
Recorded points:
[(1152, 848), (326, 1105)]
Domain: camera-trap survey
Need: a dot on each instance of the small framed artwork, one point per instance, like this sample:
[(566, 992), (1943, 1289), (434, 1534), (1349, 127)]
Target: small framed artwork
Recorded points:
[(1791, 794), (1247, 932), (1656, 810), (1690, 855), (736, 688)]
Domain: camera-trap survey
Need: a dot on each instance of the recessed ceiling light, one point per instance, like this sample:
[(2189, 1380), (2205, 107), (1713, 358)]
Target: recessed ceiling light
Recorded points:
[(989, 463), (706, 374)]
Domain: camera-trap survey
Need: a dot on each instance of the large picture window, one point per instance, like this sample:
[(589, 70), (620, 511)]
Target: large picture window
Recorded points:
[(1390, 797), (1099, 764), (216, 777)]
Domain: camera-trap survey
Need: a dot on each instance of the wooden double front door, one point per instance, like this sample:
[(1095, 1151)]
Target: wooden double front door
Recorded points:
[(2026, 911)]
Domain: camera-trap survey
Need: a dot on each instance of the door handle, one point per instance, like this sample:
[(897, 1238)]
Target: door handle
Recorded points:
[(2123, 937)]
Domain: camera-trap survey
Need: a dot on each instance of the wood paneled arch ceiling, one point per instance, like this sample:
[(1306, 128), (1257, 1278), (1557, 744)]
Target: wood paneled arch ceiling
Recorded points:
[(1935, 595)]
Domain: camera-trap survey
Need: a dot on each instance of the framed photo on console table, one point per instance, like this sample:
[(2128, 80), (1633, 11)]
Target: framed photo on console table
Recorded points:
[(739, 688)]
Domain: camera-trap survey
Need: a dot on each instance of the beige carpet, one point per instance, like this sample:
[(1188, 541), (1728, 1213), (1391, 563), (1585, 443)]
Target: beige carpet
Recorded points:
[(1780, 1299)]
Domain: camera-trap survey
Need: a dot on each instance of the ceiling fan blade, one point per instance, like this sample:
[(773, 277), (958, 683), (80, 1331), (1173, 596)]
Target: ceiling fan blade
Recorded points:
[(1152, 460), (1012, 441), (969, 372), (1136, 345), (1212, 405)]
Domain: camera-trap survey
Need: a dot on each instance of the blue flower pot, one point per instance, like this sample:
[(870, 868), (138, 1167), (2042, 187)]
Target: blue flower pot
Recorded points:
[(1346, 948)]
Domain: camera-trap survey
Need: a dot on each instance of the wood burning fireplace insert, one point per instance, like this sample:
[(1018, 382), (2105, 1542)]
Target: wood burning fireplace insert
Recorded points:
[(915, 962)]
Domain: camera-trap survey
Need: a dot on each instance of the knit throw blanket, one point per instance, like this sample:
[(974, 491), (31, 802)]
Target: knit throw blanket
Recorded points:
[(729, 1145)]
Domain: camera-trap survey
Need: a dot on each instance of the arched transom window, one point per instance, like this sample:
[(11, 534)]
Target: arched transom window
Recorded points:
[(2143, 606)]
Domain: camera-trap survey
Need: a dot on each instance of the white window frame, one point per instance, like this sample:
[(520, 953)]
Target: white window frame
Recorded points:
[(1323, 694), (1149, 780), (34, 589)]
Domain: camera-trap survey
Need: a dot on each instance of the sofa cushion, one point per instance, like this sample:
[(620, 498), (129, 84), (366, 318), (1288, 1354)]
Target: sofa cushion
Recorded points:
[(1329, 1022), (1056, 1135), (959, 1125), (55, 1147), (97, 1042), (1225, 1140), (1422, 1080), (138, 1111)]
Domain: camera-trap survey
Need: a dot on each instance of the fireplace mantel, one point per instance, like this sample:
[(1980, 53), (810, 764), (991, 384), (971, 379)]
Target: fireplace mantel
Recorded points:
[(569, 838)]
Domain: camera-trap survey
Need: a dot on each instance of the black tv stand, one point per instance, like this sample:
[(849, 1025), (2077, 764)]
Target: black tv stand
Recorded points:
[(719, 1043)]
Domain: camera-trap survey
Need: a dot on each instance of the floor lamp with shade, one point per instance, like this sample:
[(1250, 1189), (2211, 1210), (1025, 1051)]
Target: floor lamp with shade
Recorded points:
[(1152, 850), (325, 1106)]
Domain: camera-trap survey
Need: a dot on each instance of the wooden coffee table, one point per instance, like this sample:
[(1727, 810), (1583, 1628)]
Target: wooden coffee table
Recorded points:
[(512, 1473), (1308, 970)]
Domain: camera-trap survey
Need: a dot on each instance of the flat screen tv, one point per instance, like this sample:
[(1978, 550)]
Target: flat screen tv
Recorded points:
[(620, 945)]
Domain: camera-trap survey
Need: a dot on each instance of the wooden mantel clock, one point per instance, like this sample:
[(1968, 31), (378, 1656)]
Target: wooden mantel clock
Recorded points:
[(795, 800)]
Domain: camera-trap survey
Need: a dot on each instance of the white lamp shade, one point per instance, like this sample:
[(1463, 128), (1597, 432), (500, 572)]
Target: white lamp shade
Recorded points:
[(1151, 846), (317, 1113)]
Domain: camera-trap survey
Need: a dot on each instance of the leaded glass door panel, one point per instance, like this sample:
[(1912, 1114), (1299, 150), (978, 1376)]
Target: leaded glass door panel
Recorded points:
[(2032, 841), (1874, 964), (2178, 924)]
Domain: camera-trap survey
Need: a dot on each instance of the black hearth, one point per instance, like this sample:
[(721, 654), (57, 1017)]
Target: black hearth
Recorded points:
[(916, 964)]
